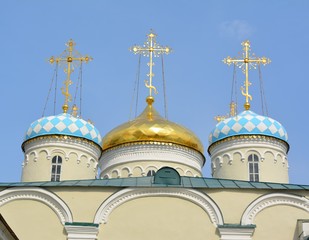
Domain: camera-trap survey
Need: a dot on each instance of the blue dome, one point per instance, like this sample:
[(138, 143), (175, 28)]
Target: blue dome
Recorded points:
[(248, 123), (63, 124)]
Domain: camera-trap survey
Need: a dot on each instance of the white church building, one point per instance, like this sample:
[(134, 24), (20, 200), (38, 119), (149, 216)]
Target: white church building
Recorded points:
[(143, 179)]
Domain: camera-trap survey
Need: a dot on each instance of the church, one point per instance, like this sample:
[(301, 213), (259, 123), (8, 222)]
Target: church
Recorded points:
[(143, 179)]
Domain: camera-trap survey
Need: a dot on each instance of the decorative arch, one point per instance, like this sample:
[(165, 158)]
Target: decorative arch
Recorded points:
[(128, 194), (140, 168), (180, 171), (286, 161), (61, 152), (268, 151), (41, 195), (189, 173), (280, 156), (242, 158), (125, 172), (93, 162), (151, 167), (73, 155), (253, 151), (106, 176), (44, 151), (81, 157), (35, 156), (219, 161), (116, 171), (271, 153), (270, 200), (227, 155)]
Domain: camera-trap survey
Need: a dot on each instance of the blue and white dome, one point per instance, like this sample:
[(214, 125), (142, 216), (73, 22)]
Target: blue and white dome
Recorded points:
[(63, 124), (248, 123)]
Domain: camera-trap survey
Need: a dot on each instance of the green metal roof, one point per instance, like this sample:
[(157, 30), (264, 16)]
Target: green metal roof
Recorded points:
[(237, 226), (81, 224), (186, 182)]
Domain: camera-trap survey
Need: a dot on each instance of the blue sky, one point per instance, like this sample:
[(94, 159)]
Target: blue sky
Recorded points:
[(198, 84)]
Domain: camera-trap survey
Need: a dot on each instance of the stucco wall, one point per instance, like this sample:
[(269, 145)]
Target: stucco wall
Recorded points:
[(151, 215)]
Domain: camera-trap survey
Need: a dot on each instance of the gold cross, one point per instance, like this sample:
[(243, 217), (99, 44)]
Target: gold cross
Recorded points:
[(247, 62), (71, 59), (150, 49)]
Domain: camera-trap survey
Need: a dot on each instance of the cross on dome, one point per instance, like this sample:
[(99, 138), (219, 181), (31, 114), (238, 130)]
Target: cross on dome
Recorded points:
[(150, 49), (246, 62), (70, 59)]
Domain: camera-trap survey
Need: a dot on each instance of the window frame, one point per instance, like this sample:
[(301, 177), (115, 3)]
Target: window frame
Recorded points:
[(253, 167), (56, 168)]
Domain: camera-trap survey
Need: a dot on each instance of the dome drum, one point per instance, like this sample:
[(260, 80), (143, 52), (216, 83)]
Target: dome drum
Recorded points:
[(154, 154)]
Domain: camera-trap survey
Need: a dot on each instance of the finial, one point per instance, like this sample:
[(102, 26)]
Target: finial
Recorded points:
[(65, 108), (246, 62), (69, 59), (233, 112), (74, 110), (150, 100), (150, 49), (233, 109)]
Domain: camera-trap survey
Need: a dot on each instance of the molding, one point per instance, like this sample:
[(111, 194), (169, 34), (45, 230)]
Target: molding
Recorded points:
[(236, 233), (144, 170), (244, 149), (81, 232), (64, 146), (237, 143), (270, 200), (62, 143), (38, 194), (151, 152), (128, 194)]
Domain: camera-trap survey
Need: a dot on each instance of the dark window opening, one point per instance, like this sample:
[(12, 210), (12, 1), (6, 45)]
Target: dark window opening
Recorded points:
[(151, 173)]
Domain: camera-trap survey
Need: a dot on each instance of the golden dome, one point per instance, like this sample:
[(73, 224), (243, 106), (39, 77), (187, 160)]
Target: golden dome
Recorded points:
[(150, 126)]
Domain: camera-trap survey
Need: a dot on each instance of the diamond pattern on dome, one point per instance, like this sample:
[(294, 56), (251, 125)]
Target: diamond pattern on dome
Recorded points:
[(273, 129), (261, 118), (225, 129), (84, 130), (63, 124), (248, 122), (249, 126), (37, 128), (281, 132), (262, 126), (47, 126), (60, 126), (73, 128), (236, 127), (216, 133)]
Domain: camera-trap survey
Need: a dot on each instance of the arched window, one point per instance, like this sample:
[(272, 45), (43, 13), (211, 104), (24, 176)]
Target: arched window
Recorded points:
[(151, 173), (253, 161), (56, 168)]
